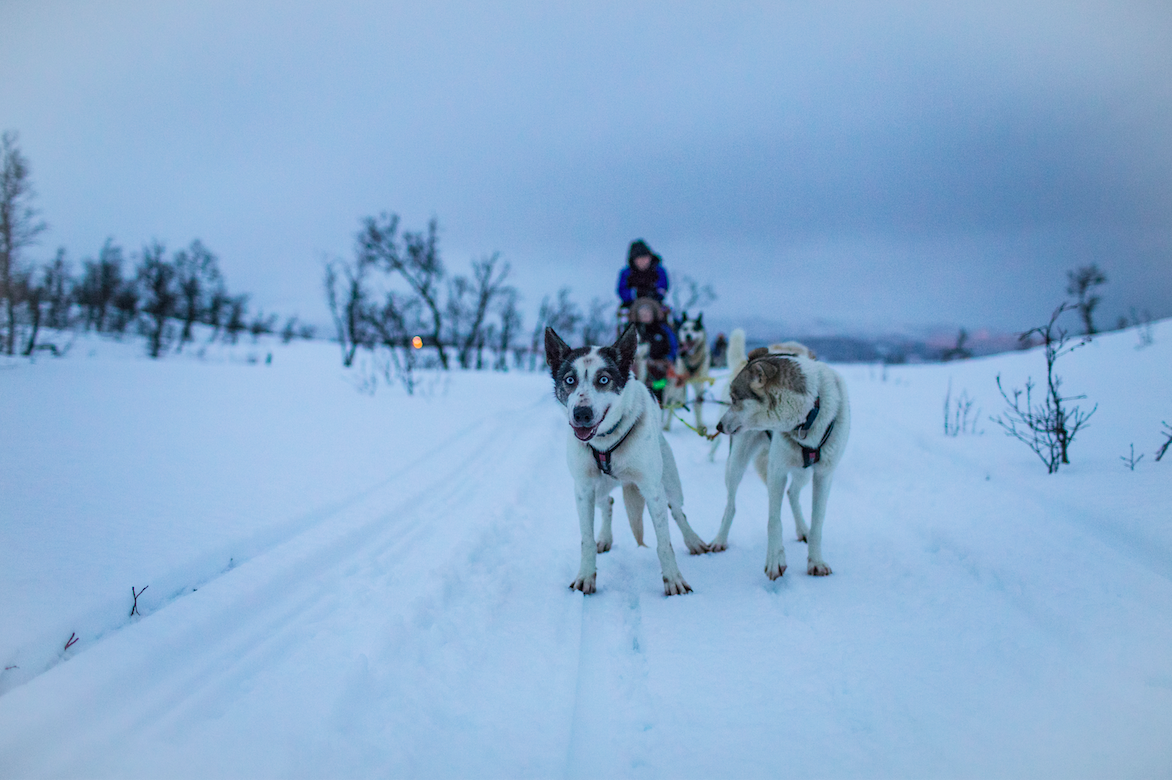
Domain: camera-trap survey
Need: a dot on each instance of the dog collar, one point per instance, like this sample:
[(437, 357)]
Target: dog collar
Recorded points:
[(602, 459)]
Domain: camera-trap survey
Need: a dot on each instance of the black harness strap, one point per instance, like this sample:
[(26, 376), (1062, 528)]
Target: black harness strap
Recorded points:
[(810, 455), (602, 459), (699, 354), (804, 428)]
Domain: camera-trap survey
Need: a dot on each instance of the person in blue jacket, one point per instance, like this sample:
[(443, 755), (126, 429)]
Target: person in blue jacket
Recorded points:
[(644, 276)]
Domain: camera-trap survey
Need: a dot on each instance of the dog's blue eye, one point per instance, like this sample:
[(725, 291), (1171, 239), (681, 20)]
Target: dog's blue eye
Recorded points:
[(602, 380), (569, 380)]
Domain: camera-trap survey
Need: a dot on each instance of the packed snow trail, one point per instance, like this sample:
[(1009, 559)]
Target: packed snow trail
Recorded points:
[(984, 619)]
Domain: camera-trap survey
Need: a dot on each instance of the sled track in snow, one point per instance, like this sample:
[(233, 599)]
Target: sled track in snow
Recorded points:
[(380, 535)]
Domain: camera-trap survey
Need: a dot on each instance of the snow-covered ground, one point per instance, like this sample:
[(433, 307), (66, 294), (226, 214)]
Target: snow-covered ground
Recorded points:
[(342, 584)]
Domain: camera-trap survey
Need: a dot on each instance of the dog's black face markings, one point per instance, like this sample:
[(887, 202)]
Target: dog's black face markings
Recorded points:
[(620, 356), (566, 375)]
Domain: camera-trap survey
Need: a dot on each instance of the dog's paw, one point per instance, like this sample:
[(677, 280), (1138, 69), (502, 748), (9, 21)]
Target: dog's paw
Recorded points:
[(775, 566), (717, 546), (697, 546), (802, 538), (816, 569), (605, 544), (585, 584), (675, 586)]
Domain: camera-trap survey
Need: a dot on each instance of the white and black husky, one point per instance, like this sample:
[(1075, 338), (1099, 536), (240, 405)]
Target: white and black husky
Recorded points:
[(615, 438)]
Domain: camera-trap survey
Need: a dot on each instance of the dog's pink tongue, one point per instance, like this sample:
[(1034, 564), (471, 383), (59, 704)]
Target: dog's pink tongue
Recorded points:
[(584, 434)]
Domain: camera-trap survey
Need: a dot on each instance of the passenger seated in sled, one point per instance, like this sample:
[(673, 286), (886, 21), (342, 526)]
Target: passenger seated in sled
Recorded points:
[(657, 345)]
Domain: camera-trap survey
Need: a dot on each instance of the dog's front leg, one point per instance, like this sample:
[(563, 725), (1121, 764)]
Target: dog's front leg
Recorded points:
[(587, 573), (815, 565), (606, 503), (739, 454), (673, 580), (699, 402), (776, 474)]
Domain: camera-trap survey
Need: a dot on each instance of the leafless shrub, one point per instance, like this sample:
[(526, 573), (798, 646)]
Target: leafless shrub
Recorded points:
[(563, 315), (415, 258), (959, 352), (19, 228), (469, 303), (600, 323), (1047, 427), (157, 280), (1143, 328), (959, 416), (1131, 460), (1082, 283), (687, 293)]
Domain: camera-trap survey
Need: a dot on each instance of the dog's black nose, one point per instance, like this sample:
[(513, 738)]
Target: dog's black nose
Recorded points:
[(583, 416), (719, 429)]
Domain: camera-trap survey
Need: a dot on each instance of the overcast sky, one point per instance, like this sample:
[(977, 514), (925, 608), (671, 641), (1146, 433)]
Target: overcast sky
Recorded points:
[(853, 165)]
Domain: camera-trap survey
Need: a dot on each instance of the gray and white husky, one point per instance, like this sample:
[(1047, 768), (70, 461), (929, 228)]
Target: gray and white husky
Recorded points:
[(615, 438), (792, 415)]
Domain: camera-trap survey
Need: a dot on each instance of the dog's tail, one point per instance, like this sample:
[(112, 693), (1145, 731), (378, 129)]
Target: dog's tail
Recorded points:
[(736, 348), (633, 501), (736, 359)]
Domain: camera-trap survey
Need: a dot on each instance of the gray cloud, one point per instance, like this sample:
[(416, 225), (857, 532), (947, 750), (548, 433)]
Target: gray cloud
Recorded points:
[(864, 163)]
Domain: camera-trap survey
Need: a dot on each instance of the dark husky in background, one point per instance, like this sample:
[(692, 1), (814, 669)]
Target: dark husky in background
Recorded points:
[(691, 370)]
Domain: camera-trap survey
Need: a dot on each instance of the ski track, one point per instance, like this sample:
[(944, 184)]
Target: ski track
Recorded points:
[(96, 626), (280, 596)]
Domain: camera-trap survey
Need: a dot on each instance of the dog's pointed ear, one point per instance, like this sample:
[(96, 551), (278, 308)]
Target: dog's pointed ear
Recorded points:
[(555, 349), (759, 372), (700, 321), (625, 348)]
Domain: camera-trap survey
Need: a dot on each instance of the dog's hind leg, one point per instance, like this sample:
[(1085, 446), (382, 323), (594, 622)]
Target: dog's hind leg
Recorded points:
[(633, 502), (799, 481), (675, 500), (605, 502), (815, 565), (657, 506), (742, 447), (778, 474), (587, 572)]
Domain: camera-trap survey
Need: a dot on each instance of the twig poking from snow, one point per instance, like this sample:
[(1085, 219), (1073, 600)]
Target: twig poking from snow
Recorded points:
[(1131, 460), (71, 641), (134, 610), (1167, 432)]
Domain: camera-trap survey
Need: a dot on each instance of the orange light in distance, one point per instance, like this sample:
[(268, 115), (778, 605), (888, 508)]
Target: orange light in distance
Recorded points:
[(417, 342)]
